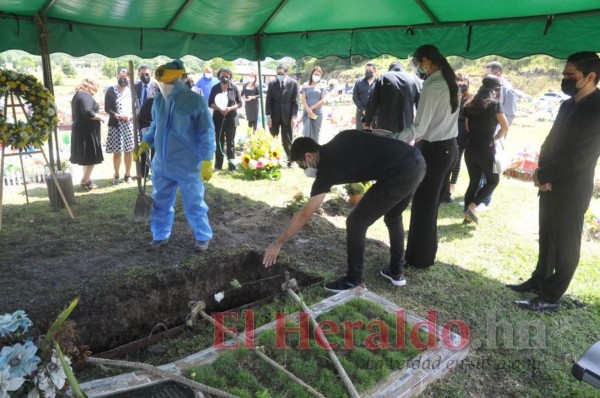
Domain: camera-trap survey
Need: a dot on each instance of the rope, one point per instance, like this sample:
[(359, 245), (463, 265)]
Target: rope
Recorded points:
[(161, 373), (198, 309), (347, 382)]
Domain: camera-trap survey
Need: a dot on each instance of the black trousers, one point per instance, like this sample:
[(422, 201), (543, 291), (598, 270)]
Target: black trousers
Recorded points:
[(561, 225), (421, 246), (225, 139), (286, 136), (382, 199), (480, 163)]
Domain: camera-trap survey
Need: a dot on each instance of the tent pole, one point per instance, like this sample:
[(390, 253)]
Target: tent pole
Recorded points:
[(40, 21), (260, 81), (260, 90)]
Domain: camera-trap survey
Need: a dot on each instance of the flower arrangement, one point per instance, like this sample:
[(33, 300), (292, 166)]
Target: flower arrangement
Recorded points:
[(36, 367), (262, 157), (40, 107), (524, 165)]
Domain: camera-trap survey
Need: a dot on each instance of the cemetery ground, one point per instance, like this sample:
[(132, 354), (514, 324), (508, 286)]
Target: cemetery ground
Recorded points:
[(47, 259)]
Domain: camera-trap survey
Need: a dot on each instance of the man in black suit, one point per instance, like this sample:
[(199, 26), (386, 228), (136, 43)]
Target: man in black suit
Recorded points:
[(282, 107), (145, 90), (565, 178), (392, 101)]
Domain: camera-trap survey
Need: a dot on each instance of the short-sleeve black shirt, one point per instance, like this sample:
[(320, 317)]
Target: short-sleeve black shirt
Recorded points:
[(357, 156), (482, 126)]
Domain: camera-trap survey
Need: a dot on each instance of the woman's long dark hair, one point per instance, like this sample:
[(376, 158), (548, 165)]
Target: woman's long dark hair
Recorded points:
[(433, 54), (486, 96)]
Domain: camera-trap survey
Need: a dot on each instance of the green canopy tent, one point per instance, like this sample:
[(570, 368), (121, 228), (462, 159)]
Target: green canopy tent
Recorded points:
[(253, 29)]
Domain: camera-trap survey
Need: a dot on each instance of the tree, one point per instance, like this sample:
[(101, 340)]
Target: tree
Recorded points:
[(109, 68), (68, 69), (218, 63)]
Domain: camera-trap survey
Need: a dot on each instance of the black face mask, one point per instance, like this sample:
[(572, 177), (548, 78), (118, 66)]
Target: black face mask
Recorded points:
[(569, 86), (123, 81), (225, 80), (463, 88), (368, 74), (145, 79)]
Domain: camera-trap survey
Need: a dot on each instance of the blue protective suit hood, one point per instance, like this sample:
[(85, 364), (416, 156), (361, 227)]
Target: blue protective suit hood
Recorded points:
[(182, 133)]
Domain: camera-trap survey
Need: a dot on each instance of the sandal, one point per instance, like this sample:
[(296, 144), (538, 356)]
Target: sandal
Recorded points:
[(89, 185)]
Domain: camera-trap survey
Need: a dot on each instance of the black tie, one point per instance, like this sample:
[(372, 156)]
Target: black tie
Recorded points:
[(282, 85), (144, 94)]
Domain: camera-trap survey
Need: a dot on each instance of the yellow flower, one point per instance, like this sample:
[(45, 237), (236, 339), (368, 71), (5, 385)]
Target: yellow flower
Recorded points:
[(12, 85), (246, 160), (275, 154)]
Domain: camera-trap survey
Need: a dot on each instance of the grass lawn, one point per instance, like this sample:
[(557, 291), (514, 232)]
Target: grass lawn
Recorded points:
[(513, 352)]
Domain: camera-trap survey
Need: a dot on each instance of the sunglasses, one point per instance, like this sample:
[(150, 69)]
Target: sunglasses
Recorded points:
[(145, 74)]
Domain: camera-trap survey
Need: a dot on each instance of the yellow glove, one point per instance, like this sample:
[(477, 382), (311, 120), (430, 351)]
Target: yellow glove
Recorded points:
[(207, 170), (144, 147)]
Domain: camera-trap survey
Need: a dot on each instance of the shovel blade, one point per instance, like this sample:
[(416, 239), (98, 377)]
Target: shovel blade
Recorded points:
[(143, 208)]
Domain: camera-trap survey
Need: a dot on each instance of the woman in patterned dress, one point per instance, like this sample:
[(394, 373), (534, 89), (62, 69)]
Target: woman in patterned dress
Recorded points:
[(117, 103)]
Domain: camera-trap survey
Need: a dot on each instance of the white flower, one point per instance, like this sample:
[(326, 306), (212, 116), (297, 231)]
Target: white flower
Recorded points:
[(43, 386), (56, 371), (252, 164), (9, 384), (219, 296)]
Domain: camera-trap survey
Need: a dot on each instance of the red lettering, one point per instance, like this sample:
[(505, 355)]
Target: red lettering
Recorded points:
[(382, 336), (463, 331), (400, 329), (332, 328), (220, 330), (303, 331), (430, 326), (249, 326), (349, 333)]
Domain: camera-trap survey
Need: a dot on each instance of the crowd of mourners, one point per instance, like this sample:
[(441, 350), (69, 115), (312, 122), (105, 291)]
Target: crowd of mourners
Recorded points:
[(413, 128)]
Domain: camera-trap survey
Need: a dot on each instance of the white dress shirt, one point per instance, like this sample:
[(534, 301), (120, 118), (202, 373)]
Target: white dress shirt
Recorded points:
[(435, 120)]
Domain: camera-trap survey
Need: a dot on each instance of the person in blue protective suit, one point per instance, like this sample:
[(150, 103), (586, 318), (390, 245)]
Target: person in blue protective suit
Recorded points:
[(182, 133)]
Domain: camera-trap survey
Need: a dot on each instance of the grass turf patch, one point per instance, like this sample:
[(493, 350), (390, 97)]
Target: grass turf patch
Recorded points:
[(363, 334)]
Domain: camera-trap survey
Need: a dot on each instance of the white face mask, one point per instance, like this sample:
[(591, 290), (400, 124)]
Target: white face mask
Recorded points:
[(280, 77), (166, 89), (316, 78), (310, 172), (208, 75)]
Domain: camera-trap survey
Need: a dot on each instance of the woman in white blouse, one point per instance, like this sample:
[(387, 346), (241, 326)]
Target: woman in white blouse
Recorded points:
[(435, 129)]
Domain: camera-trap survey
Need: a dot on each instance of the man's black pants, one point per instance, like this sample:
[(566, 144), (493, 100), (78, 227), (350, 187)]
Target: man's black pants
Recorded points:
[(561, 226), (382, 199), (286, 136)]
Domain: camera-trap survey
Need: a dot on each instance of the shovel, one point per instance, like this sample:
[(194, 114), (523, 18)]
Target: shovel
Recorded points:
[(143, 203)]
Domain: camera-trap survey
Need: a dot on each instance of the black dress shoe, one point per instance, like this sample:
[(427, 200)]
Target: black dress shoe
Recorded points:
[(526, 286), (538, 305)]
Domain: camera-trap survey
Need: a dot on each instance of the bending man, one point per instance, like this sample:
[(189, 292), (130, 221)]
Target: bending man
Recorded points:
[(357, 156)]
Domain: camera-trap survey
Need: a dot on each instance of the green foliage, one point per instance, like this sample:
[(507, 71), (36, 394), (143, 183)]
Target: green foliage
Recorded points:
[(109, 68), (68, 69), (298, 201), (218, 63), (60, 320)]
